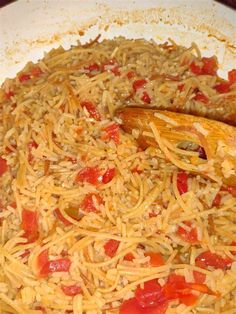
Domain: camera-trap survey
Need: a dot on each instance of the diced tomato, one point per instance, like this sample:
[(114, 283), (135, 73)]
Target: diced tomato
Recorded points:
[(88, 202), (150, 295), (156, 259), (182, 182), (93, 67), (195, 69), (91, 175), (210, 66), (30, 224), (42, 261), (9, 94), (58, 265), (3, 166), (92, 110), (132, 306), (223, 87), (136, 170), (180, 87), (111, 247), (199, 277), (207, 258), (188, 236), (153, 214), (230, 189), (217, 200), (201, 97), (139, 84), (108, 175), (232, 76), (71, 290), (112, 133), (73, 160), (61, 217), (130, 74), (24, 77), (36, 71), (129, 257), (112, 66), (26, 253), (233, 244), (146, 98), (32, 145)]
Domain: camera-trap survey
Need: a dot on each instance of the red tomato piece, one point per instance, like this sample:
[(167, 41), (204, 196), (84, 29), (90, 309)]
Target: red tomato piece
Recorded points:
[(42, 261), (58, 265), (199, 277), (108, 175), (24, 77), (150, 295), (61, 217), (188, 236), (195, 69), (217, 200), (210, 66), (88, 202), (92, 110), (136, 170), (223, 87), (112, 133), (93, 67), (188, 299), (146, 98), (111, 247), (207, 258), (91, 175), (153, 214), (156, 259), (71, 290), (201, 97), (9, 94), (232, 76), (182, 182), (3, 166), (30, 224), (129, 257), (180, 87), (36, 71), (132, 306), (32, 145), (130, 74), (111, 66), (139, 84), (230, 189)]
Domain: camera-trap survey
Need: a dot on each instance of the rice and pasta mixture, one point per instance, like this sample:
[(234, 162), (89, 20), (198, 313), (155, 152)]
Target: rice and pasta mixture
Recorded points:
[(90, 223)]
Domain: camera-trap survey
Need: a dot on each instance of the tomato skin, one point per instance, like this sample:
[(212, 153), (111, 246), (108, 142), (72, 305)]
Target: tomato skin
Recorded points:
[(201, 97), (24, 77), (30, 224), (132, 306), (182, 182), (3, 166), (207, 258), (93, 67), (111, 247), (42, 261), (232, 76), (61, 217), (88, 204), (9, 94), (91, 175), (58, 265), (112, 133), (139, 84), (108, 175), (150, 295), (156, 259), (72, 290), (199, 277), (130, 74), (195, 69), (217, 200), (181, 87), (230, 189), (209, 66), (146, 98), (92, 110), (188, 236), (129, 257), (36, 71), (223, 87)]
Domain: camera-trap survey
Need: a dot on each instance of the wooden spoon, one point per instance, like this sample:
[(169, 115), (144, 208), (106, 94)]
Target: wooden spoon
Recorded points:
[(169, 130)]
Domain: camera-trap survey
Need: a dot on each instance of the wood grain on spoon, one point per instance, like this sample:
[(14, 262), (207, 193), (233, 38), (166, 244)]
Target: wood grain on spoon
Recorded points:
[(218, 139)]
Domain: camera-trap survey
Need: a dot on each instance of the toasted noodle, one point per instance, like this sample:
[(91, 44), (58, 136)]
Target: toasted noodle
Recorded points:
[(75, 187)]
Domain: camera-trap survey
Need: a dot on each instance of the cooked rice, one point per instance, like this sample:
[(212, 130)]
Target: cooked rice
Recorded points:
[(48, 137)]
